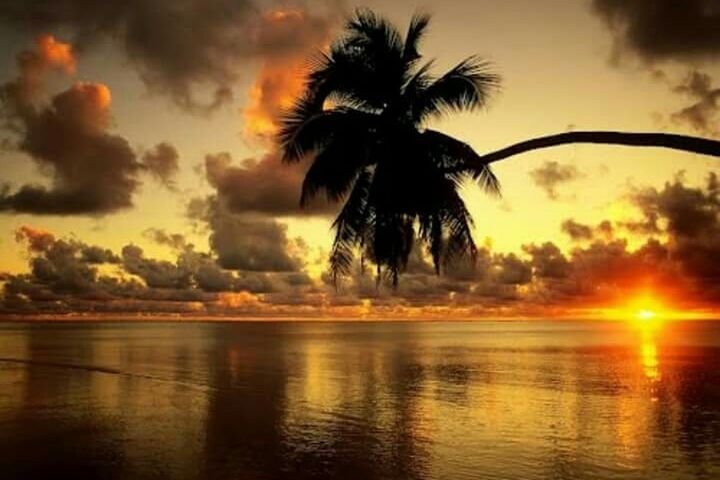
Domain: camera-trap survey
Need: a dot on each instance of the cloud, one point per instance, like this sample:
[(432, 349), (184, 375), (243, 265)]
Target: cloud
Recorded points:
[(548, 261), (668, 31), (49, 55), (577, 231), (690, 217), (581, 232), (38, 240), (550, 175), (246, 242), (89, 170), (254, 269), (66, 276), (61, 265), (92, 171), (281, 78), (155, 273), (193, 51), (162, 164), (701, 115), (663, 29), (264, 186), (176, 241)]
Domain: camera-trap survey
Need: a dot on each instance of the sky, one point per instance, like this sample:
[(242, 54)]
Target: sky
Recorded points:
[(141, 177)]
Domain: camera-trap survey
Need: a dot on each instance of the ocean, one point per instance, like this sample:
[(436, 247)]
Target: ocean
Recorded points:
[(376, 400)]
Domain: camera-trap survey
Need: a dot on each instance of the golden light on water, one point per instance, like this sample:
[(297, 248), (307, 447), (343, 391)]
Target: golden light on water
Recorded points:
[(648, 313)]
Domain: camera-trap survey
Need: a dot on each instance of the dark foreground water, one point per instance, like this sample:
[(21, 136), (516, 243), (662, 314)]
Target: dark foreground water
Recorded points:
[(519, 400)]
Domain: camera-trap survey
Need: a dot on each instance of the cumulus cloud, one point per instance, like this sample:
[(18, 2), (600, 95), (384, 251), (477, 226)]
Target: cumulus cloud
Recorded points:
[(254, 269), (67, 275), (89, 170), (92, 171), (551, 175), (264, 186), (690, 217), (244, 242), (282, 77), (61, 265), (191, 50)]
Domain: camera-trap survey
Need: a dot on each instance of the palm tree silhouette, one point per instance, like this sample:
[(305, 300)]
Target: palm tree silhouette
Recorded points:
[(362, 119)]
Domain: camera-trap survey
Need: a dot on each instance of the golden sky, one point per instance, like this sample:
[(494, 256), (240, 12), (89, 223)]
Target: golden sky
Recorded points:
[(140, 129)]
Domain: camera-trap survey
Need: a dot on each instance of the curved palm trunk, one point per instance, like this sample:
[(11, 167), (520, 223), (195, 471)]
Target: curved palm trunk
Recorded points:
[(684, 143)]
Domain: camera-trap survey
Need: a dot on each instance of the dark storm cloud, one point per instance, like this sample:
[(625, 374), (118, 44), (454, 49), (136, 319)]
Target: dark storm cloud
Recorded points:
[(89, 170), (265, 186), (551, 175), (180, 46)]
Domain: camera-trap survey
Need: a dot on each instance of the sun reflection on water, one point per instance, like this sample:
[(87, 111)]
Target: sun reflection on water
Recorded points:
[(649, 353)]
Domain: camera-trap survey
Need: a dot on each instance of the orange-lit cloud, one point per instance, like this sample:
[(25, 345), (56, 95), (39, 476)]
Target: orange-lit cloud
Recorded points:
[(238, 300), (56, 54), (38, 239), (274, 91), (90, 170), (282, 77), (48, 55), (198, 70)]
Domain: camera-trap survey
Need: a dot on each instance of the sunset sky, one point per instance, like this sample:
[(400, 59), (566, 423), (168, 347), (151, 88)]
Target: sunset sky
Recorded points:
[(140, 175)]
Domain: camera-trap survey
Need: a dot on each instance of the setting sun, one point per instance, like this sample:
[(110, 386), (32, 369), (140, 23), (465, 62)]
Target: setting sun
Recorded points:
[(646, 308), (645, 315)]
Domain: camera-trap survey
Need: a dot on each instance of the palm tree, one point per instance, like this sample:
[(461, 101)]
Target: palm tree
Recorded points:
[(362, 119)]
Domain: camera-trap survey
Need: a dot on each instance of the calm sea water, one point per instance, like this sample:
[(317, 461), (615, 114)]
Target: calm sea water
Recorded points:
[(489, 400)]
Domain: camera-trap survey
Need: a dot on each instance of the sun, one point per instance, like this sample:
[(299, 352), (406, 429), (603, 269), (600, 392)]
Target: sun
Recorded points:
[(643, 309), (645, 315)]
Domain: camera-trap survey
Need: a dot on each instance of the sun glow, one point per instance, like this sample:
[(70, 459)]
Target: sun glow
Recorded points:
[(642, 309), (645, 315)]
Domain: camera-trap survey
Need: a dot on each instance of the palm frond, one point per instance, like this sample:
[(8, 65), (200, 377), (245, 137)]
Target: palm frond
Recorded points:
[(466, 87), (457, 157), (367, 30), (335, 168), (304, 131), (459, 224), (350, 226), (417, 29)]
